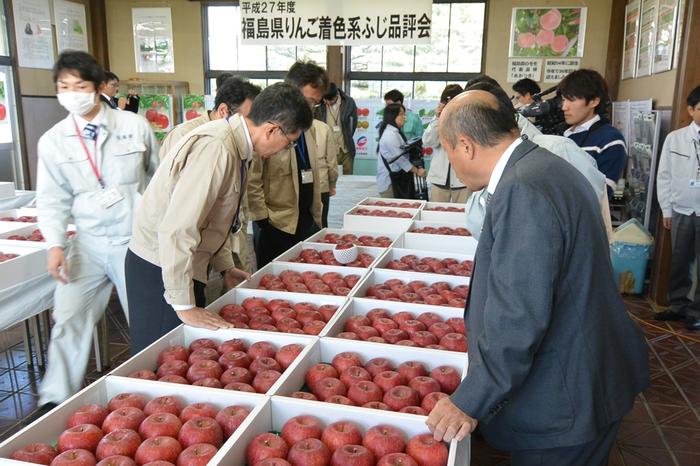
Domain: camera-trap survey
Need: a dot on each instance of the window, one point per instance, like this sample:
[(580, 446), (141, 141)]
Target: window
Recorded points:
[(421, 72), (262, 64)]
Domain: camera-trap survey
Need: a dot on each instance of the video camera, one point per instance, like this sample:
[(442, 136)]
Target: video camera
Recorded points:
[(414, 149), (549, 117)]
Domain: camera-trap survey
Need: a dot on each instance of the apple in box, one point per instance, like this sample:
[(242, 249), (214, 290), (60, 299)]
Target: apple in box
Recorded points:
[(198, 454), (427, 451), (198, 410), (309, 452), (384, 439), (201, 430), (121, 442), (265, 446), (123, 400), (160, 424), (123, 418), (77, 457), (352, 455), (301, 428), (38, 453), (88, 414), (230, 418), (158, 448)]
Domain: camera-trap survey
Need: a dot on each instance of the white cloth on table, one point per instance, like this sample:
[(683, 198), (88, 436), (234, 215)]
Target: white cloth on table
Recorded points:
[(21, 199), (26, 299)]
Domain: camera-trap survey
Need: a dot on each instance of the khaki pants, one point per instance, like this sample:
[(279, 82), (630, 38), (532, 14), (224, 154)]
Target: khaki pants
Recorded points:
[(458, 196), (347, 161), (239, 241)]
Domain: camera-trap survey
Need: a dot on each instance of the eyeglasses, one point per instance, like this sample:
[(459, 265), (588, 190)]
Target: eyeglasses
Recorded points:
[(313, 103), (292, 144)]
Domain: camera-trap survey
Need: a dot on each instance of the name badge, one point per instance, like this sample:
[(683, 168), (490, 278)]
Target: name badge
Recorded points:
[(336, 129), (109, 197), (307, 176), (695, 184)]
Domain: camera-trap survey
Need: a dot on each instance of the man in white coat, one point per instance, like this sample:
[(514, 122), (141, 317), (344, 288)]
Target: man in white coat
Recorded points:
[(678, 191), (93, 167)]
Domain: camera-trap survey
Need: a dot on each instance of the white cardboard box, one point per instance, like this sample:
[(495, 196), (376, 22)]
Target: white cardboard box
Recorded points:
[(47, 428), (442, 243), (360, 307), (442, 216), (27, 230), (294, 252), (352, 221), (379, 276), (398, 253), (184, 335), (371, 200), (11, 227), (396, 237), (326, 348), (278, 267), (30, 263), (7, 189), (23, 212), (278, 410)]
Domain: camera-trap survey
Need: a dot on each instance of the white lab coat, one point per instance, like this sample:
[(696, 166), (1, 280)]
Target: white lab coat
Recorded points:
[(678, 165), (68, 190)]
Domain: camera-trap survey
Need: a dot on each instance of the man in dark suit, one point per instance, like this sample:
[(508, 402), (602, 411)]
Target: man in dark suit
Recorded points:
[(554, 361)]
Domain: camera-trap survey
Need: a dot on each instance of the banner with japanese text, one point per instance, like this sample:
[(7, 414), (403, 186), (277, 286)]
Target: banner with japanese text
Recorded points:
[(331, 22)]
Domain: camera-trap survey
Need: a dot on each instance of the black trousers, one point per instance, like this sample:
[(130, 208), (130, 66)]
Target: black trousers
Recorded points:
[(685, 248), (150, 316), (269, 242), (594, 453), (326, 200)]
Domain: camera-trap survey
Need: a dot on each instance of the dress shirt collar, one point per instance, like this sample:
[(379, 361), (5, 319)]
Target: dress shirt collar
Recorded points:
[(82, 122), (696, 130), (582, 127), (501, 166), (248, 139)]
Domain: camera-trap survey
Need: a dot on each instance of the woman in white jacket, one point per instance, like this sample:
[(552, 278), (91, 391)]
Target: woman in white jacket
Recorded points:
[(446, 187)]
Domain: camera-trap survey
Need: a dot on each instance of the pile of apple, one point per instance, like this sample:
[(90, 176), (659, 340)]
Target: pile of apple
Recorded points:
[(448, 266), (278, 315), (444, 209), (428, 330), (7, 256), (34, 236), (381, 213), (130, 431), (330, 283), (409, 388), (23, 218), (442, 231), (364, 240), (403, 205), (419, 292), (232, 365), (304, 441), (312, 256)]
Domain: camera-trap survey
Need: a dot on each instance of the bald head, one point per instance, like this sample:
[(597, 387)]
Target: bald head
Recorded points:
[(478, 116)]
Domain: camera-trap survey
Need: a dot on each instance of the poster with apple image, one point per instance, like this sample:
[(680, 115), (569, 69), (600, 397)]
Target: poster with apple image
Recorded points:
[(548, 32), (5, 129), (158, 110), (369, 115), (193, 107), (425, 109)]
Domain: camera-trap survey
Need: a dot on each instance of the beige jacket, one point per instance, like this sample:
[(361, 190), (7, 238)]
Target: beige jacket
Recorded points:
[(177, 133), (327, 155), (273, 189), (188, 208)]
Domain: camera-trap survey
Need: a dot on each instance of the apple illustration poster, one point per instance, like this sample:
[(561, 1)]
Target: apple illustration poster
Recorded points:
[(425, 109), (153, 40), (5, 129), (158, 110), (192, 106), (548, 32), (369, 115)]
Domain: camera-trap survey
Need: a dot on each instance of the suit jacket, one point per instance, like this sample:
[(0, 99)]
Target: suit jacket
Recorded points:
[(348, 119), (109, 101), (553, 356)]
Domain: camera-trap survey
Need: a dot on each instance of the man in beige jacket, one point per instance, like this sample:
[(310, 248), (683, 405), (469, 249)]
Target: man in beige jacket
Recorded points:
[(233, 95), (284, 194), (191, 206)]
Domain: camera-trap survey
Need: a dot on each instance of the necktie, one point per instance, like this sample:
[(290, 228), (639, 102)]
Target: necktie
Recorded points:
[(487, 200), (90, 132)]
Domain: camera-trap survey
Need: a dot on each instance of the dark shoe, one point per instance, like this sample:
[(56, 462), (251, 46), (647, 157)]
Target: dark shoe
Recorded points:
[(668, 315), (692, 323)]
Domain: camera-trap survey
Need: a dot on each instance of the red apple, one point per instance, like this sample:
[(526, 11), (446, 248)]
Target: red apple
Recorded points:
[(427, 451), (352, 455), (37, 453), (389, 379), (261, 349), (424, 385), (377, 365), (376, 405), (145, 374), (250, 303), (440, 329), (400, 397), (230, 418), (394, 335), (383, 324), (117, 460), (301, 428), (286, 354), (88, 414), (413, 410), (273, 462), (264, 364), (448, 378), (160, 425), (348, 335), (364, 391), (234, 359), (411, 369), (431, 399), (126, 399), (265, 380), (397, 459), (158, 448), (174, 379), (340, 400), (174, 353), (204, 369), (234, 344), (327, 311), (201, 430), (240, 387), (356, 321), (202, 343), (341, 433), (198, 410), (265, 446), (457, 323), (286, 324), (123, 418), (163, 404), (314, 327), (122, 442), (343, 361), (174, 367), (309, 452), (320, 371), (384, 439), (83, 436), (304, 396), (454, 342), (236, 374), (76, 457), (411, 326), (198, 454), (328, 387), (353, 375)]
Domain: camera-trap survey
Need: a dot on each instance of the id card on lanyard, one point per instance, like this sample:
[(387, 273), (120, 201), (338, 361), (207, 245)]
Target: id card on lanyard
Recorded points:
[(695, 182), (107, 197), (307, 175)]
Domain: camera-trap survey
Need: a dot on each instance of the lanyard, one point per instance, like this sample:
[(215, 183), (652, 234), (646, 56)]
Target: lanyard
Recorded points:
[(301, 147), (89, 157)]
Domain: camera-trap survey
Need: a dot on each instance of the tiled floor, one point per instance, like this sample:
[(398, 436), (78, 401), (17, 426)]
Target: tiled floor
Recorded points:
[(663, 428)]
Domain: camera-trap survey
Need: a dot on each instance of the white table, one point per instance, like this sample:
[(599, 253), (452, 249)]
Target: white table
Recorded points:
[(21, 199)]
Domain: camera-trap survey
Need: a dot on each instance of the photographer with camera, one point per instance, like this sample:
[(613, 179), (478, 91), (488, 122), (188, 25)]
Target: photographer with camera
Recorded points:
[(525, 91), (394, 168)]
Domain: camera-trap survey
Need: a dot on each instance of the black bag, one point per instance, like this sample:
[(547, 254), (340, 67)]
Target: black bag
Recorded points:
[(401, 182)]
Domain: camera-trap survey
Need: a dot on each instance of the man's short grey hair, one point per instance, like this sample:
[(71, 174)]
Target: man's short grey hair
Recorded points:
[(283, 104), (479, 120)]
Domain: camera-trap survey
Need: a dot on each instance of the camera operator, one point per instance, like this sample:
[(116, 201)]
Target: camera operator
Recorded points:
[(525, 90), (394, 168)]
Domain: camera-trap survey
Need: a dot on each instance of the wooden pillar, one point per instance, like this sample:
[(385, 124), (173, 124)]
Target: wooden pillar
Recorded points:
[(98, 19), (613, 62), (334, 66), (687, 78)]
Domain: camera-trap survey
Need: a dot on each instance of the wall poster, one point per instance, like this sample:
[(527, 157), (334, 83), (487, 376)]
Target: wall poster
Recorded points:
[(548, 32), (629, 50), (519, 68), (153, 40), (33, 33), (71, 26), (665, 35), (647, 36)]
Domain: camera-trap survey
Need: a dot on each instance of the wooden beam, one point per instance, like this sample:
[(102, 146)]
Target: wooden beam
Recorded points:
[(334, 64), (98, 19), (613, 62)]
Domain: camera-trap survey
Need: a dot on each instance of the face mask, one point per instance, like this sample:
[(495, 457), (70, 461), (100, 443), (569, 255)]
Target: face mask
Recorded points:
[(77, 103)]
